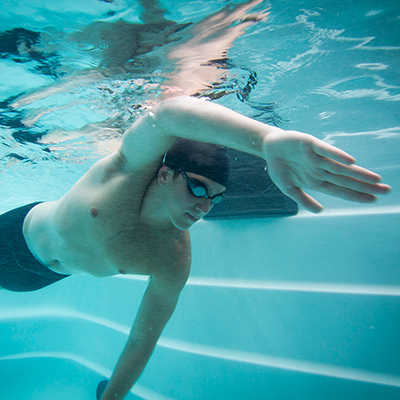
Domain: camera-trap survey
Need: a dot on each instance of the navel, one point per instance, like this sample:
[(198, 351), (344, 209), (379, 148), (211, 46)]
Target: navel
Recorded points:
[(93, 212)]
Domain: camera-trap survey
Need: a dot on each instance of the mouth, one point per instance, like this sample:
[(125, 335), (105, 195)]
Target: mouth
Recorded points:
[(192, 218)]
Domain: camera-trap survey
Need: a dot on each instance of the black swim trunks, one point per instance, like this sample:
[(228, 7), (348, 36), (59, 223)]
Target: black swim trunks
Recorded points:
[(19, 269)]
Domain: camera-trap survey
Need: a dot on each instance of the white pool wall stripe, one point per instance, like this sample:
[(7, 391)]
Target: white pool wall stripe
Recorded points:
[(315, 287), (312, 287), (61, 313), (350, 212), (284, 363)]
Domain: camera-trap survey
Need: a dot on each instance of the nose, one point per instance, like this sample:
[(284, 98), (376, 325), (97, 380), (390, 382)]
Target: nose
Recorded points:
[(204, 206)]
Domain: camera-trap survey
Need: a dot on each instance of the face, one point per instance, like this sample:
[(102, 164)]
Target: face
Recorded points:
[(186, 208)]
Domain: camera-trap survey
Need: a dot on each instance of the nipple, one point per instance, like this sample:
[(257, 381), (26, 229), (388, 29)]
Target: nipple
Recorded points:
[(93, 212)]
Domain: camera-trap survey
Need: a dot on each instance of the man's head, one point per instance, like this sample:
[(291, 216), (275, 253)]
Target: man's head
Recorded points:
[(199, 173), (205, 159)]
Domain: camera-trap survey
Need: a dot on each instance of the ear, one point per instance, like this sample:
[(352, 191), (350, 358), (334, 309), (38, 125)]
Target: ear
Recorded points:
[(162, 175)]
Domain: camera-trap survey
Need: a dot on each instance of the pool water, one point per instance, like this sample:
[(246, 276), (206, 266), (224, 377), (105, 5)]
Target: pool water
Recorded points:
[(305, 307), (67, 379)]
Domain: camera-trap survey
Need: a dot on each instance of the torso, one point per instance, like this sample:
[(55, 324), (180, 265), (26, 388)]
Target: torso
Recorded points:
[(97, 228)]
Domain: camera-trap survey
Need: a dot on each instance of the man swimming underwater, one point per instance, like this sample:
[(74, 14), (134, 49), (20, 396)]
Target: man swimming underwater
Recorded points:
[(130, 213)]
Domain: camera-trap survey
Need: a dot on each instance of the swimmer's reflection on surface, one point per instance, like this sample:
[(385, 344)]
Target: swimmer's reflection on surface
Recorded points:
[(191, 56)]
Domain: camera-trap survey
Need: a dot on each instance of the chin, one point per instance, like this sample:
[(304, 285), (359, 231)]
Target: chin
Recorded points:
[(184, 223), (183, 227)]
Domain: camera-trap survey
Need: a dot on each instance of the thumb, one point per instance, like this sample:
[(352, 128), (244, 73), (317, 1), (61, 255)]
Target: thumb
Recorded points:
[(101, 387)]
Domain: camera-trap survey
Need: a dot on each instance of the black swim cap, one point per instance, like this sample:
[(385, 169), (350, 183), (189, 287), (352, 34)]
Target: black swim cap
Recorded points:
[(205, 159)]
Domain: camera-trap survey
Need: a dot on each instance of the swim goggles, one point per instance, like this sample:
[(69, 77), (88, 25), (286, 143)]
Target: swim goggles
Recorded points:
[(197, 189)]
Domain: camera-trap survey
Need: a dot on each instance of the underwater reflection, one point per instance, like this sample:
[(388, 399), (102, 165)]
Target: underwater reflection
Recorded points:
[(162, 57)]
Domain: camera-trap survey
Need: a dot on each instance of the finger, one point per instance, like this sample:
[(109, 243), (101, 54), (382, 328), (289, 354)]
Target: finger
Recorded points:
[(101, 387), (353, 171), (304, 200), (356, 184), (345, 193), (326, 150)]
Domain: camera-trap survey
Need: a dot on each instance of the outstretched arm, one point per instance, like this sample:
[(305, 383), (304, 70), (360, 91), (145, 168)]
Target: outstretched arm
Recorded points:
[(296, 161), (157, 306)]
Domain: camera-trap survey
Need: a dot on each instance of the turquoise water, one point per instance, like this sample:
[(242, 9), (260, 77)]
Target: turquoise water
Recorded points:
[(299, 308)]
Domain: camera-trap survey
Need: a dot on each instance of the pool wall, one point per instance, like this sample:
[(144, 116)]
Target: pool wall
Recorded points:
[(305, 307)]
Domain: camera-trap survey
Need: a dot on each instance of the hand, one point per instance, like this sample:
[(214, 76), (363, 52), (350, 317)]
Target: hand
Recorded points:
[(101, 387), (298, 161)]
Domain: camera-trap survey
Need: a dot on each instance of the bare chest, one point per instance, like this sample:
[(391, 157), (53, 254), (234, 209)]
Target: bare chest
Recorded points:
[(138, 250)]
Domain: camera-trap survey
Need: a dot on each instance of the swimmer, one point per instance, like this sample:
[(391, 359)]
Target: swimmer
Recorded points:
[(131, 212)]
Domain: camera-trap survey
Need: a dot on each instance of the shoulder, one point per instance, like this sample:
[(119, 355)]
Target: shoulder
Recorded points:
[(143, 144), (105, 168), (146, 141)]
